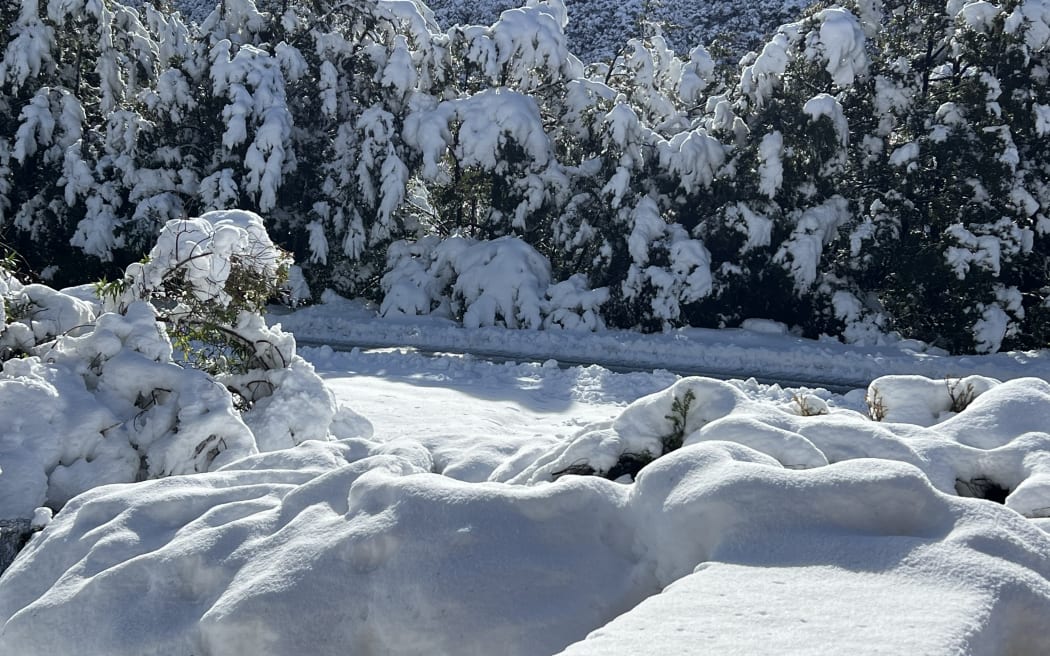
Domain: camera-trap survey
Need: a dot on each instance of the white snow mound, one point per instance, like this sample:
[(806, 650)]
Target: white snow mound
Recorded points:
[(354, 547)]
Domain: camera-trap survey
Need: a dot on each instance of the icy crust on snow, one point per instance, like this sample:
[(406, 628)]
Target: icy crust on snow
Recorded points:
[(356, 547)]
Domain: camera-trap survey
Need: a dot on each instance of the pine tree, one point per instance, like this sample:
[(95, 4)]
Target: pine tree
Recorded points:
[(349, 196), (948, 234), (90, 160)]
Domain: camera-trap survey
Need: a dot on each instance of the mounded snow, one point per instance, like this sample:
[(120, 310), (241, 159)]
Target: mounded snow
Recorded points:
[(364, 546)]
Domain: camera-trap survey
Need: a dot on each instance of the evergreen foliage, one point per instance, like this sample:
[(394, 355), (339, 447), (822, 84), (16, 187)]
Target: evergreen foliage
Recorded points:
[(874, 167)]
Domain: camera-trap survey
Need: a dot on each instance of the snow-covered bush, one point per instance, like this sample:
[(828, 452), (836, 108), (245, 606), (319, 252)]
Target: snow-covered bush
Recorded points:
[(487, 283), (34, 314), (482, 283), (500, 282), (419, 276), (572, 305), (209, 277), (112, 402), (112, 407)]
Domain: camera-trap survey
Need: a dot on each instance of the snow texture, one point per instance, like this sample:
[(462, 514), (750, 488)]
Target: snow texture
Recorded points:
[(808, 520)]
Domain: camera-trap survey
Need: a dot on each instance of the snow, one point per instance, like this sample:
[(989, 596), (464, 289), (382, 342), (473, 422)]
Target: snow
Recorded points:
[(503, 281), (760, 78), (825, 105), (30, 51), (904, 154), (771, 170), (801, 252), (253, 84), (403, 542), (441, 515), (113, 405), (979, 15), (842, 41), (399, 498), (731, 608), (204, 251), (1033, 19), (729, 352), (79, 437)]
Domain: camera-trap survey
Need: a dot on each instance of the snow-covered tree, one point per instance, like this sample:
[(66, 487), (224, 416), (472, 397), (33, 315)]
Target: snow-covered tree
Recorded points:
[(951, 215), (92, 159), (360, 70), (779, 210)]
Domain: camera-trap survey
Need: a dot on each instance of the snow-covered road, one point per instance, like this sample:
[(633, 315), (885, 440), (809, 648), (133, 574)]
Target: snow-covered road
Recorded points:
[(764, 351)]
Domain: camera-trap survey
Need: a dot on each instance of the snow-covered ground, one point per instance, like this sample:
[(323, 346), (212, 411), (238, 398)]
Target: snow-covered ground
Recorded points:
[(788, 522)]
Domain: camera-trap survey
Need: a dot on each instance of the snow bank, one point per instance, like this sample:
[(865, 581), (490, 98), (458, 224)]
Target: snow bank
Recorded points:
[(922, 401), (739, 609), (355, 546), (994, 442), (320, 556)]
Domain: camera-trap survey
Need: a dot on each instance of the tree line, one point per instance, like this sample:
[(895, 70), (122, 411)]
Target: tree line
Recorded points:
[(876, 167)]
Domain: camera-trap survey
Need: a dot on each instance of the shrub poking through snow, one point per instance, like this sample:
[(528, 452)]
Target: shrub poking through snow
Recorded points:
[(679, 412), (922, 401), (807, 405), (960, 392), (206, 277), (635, 456), (34, 314), (876, 405)]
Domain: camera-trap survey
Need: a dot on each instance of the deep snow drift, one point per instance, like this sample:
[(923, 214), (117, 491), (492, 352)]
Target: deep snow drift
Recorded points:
[(787, 521)]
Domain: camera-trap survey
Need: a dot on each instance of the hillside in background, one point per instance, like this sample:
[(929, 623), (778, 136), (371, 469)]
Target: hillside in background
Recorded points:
[(599, 29)]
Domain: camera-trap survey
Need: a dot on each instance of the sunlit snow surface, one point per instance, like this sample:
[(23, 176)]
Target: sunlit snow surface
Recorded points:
[(443, 534)]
